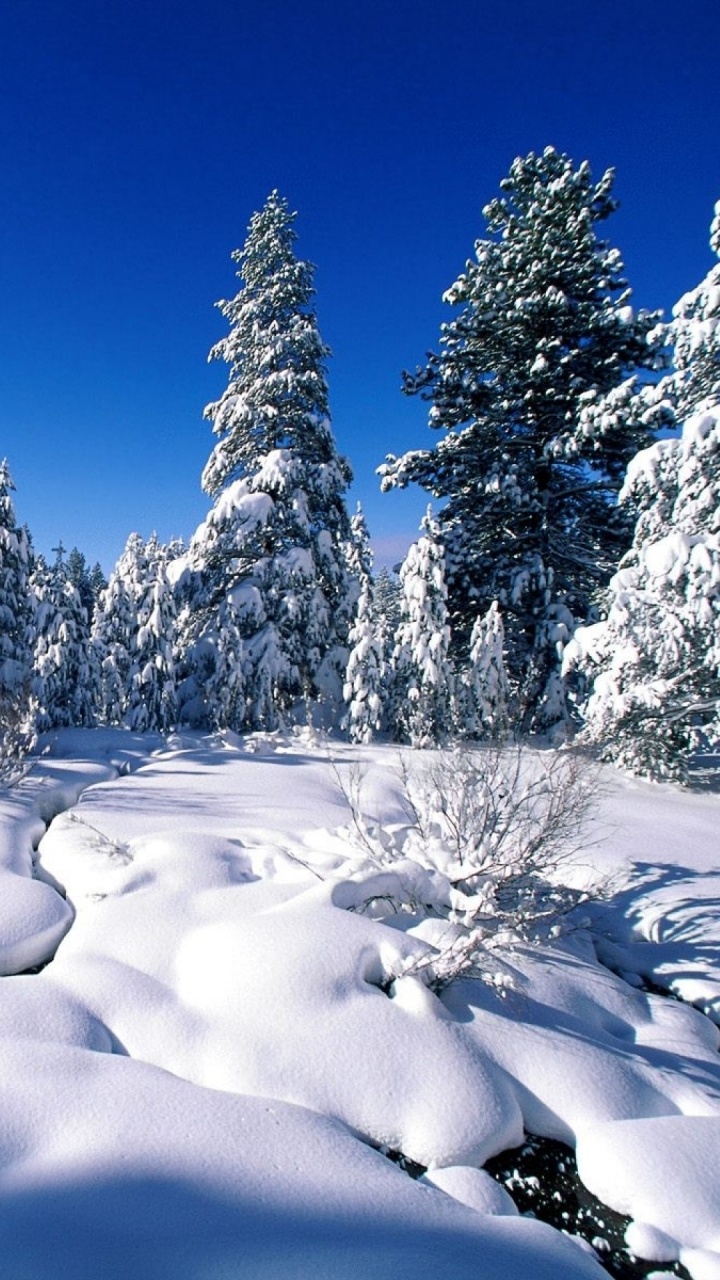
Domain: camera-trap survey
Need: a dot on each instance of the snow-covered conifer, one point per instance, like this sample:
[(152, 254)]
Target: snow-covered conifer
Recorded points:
[(422, 677), (151, 696), (486, 689), (17, 712), (89, 582), (655, 660), (388, 593), (365, 674), (270, 558), (15, 613), (695, 334), (115, 625), (65, 668), (536, 389)]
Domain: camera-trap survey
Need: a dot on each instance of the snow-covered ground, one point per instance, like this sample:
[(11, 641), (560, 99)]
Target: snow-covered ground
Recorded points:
[(206, 1079)]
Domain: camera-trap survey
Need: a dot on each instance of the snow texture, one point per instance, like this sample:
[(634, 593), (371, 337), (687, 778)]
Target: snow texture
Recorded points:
[(232, 1033)]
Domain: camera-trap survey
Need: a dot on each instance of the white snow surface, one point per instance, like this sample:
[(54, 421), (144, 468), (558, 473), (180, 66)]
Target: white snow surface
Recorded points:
[(206, 1078)]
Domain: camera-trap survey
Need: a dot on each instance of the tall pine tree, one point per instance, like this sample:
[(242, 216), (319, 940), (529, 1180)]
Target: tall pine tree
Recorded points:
[(536, 390), (268, 565)]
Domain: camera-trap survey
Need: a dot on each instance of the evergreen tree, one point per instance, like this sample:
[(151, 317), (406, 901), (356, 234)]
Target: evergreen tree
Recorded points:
[(88, 582), (15, 613), (655, 660), (366, 669), (97, 582), (486, 709), (695, 334), (536, 388), (269, 562), (115, 626), (65, 668), (388, 594), (423, 685), (17, 710), (151, 700)]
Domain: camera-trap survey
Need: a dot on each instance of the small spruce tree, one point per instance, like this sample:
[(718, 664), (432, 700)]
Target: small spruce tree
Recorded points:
[(114, 628), (422, 676), (364, 678), (151, 695), (65, 669), (485, 683)]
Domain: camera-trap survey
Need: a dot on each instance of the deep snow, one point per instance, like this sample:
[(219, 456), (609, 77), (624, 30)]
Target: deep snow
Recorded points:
[(205, 1078)]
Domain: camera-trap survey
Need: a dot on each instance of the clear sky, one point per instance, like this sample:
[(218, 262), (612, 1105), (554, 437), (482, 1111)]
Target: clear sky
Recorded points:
[(138, 137)]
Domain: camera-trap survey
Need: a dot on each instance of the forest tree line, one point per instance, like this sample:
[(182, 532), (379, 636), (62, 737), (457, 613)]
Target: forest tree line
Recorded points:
[(566, 577)]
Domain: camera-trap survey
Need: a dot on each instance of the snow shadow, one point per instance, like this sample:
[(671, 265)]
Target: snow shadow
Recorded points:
[(153, 1228), (663, 924), (643, 905)]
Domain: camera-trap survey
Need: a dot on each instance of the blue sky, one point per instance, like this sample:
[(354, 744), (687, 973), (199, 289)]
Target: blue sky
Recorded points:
[(137, 139)]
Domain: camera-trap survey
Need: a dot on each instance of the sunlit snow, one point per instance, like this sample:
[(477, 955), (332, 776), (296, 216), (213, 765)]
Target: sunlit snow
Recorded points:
[(207, 1077)]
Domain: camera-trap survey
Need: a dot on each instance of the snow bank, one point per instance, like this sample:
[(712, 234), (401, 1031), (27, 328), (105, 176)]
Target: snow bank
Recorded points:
[(112, 1167), (663, 1173), (226, 1040)]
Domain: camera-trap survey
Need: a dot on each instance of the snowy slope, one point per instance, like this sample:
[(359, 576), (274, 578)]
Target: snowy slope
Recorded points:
[(204, 1079)]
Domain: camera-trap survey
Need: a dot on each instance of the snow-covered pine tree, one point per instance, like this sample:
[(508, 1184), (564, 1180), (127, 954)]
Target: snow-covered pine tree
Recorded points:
[(536, 388), (275, 540), (65, 668), (388, 593), (366, 669), (655, 660), (17, 709), (151, 699), (422, 675), (115, 624), (695, 333), (485, 682), (89, 582)]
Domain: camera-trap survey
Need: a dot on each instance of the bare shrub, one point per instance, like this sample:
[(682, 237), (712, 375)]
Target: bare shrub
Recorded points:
[(477, 863)]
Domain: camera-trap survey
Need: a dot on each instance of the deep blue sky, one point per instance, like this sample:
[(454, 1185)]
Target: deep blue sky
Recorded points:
[(137, 138)]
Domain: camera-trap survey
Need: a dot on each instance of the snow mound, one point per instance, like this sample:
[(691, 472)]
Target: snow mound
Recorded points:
[(662, 1172)]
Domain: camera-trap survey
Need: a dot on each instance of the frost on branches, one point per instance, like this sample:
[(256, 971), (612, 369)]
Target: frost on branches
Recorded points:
[(475, 865), (656, 659), (268, 595), (422, 676), (536, 389)]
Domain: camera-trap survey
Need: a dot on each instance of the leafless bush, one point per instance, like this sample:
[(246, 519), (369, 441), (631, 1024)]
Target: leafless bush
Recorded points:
[(477, 864)]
